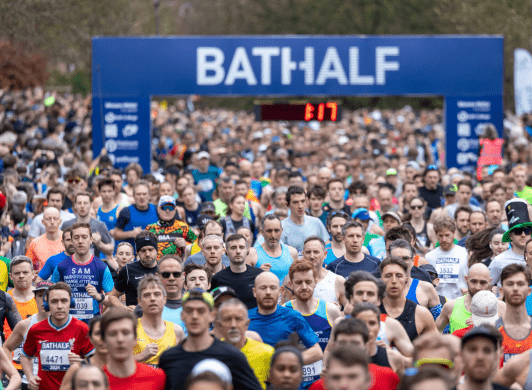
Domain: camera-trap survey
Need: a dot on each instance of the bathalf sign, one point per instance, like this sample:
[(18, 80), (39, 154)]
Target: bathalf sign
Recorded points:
[(468, 67)]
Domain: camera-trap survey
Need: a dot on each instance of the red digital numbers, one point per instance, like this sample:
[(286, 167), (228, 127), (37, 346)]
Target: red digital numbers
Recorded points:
[(325, 111)]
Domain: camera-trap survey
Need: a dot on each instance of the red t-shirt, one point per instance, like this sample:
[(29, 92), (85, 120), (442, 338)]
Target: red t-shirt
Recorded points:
[(461, 332), (382, 378), (52, 345), (145, 377)]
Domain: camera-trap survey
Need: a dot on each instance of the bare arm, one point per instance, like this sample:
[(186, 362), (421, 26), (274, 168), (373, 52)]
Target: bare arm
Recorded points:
[(340, 290), (179, 333), (27, 367), (430, 292), (396, 335), (10, 370), (425, 320), (16, 337), (443, 320), (397, 362), (293, 253), (508, 374), (113, 299), (121, 235), (252, 257), (188, 249), (333, 313), (313, 354)]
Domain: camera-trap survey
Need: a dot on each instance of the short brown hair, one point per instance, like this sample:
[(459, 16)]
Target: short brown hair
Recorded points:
[(58, 286), (190, 267), (349, 357), (431, 341), (444, 222), (302, 266), (111, 316), (512, 269), (82, 193), (55, 190), (136, 167), (393, 260), (78, 225)]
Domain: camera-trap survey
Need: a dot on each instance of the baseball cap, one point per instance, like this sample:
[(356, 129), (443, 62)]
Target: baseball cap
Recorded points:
[(276, 139), (166, 199), (484, 308), (218, 292), (202, 220), (391, 172), (197, 294), (42, 285), (172, 170), (361, 214), (450, 189), (413, 164), (207, 206), (487, 331), (203, 154), (214, 366), (393, 215), (431, 270)]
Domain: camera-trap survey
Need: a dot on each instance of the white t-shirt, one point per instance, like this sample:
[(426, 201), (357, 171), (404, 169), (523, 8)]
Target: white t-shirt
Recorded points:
[(452, 269), (499, 262)]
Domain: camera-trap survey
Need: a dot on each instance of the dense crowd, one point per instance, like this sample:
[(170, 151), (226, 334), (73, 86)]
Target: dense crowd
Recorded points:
[(262, 255)]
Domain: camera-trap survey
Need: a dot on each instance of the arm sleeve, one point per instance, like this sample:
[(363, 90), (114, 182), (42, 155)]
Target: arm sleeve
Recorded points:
[(34, 228), (121, 280), (46, 270), (191, 236), (323, 233), (12, 315), (123, 218), (494, 272), (306, 334), (107, 283)]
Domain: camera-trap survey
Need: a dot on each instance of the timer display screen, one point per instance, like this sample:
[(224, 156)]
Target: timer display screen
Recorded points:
[(326, 111)]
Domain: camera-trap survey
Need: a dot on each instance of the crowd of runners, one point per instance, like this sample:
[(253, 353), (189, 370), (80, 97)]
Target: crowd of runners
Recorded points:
[(262, 255)]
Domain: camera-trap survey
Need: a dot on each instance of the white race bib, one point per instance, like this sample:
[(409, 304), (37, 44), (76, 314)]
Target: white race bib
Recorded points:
[(448, 269), (55, 359), (312, 371), (84, 308)]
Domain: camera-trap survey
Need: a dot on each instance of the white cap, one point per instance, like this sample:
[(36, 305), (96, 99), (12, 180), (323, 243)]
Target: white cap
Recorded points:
[(216, 367), (484, 308), (203, 155)]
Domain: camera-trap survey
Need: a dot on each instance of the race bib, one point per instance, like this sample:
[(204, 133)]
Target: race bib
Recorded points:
[(54, 356), (311, 372), (84, 308), (448, 269)]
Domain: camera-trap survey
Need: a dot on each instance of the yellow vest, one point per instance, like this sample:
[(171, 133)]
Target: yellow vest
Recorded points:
[(167, 341), (259, 356)]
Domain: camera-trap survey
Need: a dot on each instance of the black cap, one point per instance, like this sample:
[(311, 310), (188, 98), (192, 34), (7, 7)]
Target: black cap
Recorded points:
[(487, 331), (450, 189), (218, 292), (202, 220), (430, 269), (172, 170)]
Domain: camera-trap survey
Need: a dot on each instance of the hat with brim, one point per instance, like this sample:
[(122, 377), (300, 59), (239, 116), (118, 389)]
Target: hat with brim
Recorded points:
[(393, 215), (484, 308), (517, 214)]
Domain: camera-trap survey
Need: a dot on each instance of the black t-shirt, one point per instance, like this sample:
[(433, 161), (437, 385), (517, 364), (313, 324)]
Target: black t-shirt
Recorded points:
[(178, 363), (432, 197), (242, 283), (128, 280)]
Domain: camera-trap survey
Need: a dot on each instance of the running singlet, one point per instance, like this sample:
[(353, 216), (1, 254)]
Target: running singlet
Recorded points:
[(52, 346), (167, 341), (280, 265), (109, 218), (77, 276), (330, 255), (320, 324), (423, 236), (510, 346), (412, 291), (326, 288), (17, 353), (407, 318), (380, 358), (459, 315)]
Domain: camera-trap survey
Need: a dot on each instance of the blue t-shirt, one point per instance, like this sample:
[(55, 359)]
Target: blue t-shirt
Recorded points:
[(77, 276), (279, 325), (174, 316), (342, 267), (377, 248), (131, 217), (206, 181), (51, 263), (330, 255)]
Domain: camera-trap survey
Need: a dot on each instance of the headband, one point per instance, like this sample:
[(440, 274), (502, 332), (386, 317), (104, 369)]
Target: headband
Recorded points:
[(145, 241)]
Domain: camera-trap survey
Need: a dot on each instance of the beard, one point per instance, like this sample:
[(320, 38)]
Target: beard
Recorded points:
[(267, 305)]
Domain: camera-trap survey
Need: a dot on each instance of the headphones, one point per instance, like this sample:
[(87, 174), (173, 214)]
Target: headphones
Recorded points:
[(47, 306)]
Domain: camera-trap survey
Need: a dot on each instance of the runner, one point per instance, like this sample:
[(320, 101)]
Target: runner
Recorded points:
[(239, 275), (233, 321), (172, 234), (88, 276), (54, 260), (319, 314), (49, 243), (119, 333), (329, 286), (272, 255), (177, 362), (416, 319), (154, 335), (336, 248), (268, 314), (53, 340)]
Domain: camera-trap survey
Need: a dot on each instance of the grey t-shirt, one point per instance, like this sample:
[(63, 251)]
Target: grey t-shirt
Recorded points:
[(499, 262), (199, 259), (295, 235), (37, 228), (97, 227), (451, 209)]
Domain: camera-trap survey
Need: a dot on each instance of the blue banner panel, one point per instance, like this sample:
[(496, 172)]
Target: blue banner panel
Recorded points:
[(302, 66), (465, 119), (123, 126)]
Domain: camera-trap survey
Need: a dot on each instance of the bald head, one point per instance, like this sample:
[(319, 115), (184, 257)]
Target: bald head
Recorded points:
[(266, 278), (51, 212), (478, 278), (51, 220)]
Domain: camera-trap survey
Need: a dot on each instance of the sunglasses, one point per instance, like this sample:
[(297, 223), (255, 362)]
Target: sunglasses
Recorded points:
[(168, 207), (416, 207), (432, 167), (166, 275), (445, 363), (519, 231), (74, 180)]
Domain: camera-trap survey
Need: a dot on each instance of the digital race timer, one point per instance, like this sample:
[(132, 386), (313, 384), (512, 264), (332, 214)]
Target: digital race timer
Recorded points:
[(326, 111)]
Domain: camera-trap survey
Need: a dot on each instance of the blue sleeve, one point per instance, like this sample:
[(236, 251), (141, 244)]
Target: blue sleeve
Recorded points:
[(46, 270), (55, 276), (104, 232), (306, 334), (107, 283), (323, 232), (123, 218)]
